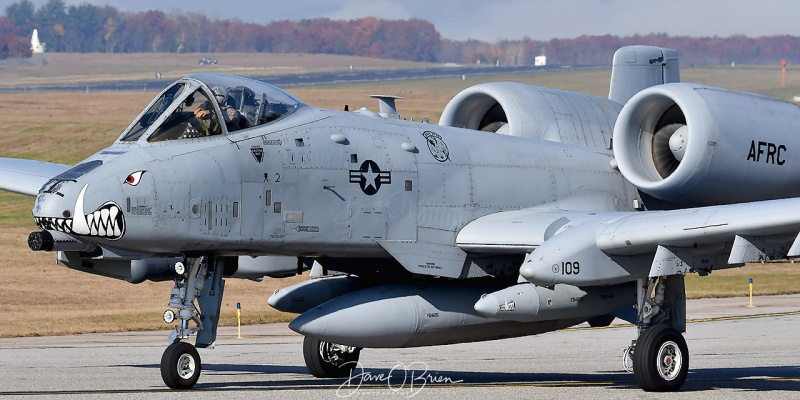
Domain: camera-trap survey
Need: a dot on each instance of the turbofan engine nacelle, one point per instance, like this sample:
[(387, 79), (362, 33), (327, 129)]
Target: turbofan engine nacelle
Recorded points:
[(531, 111), (694, 145)]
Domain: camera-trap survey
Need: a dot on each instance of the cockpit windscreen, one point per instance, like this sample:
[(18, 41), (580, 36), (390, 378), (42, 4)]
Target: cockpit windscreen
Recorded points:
[(210, 105), (152, 113)]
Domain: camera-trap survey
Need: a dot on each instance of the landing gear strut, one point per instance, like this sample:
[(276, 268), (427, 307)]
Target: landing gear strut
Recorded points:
[(197, 297), (329, 360), (659, 355)]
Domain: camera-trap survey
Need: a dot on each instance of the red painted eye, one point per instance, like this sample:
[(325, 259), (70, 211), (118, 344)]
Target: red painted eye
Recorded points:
[(134, 178)]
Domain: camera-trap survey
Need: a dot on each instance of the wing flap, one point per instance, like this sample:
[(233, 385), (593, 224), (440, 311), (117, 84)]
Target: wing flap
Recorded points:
[(768, 226), (27, 176)]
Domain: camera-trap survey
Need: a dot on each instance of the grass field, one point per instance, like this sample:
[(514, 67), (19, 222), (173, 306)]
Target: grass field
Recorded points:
[(40, 298)]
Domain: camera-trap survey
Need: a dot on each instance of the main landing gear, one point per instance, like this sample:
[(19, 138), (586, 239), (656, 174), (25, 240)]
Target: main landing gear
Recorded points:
[(659, 355), (329, 360), (197, 297)]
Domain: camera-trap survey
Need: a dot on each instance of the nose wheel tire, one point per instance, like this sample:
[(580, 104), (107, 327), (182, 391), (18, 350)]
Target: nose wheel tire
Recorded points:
[(661, 359), (180, 366), (329, 360)]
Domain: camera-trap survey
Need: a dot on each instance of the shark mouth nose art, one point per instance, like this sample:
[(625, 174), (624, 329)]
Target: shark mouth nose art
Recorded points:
[(107, 221)]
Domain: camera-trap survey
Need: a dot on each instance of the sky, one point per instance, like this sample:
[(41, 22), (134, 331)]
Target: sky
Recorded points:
[(496, 20)]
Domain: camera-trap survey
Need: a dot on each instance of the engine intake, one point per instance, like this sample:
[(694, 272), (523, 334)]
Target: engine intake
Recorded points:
[(535, 112), (694, 145)]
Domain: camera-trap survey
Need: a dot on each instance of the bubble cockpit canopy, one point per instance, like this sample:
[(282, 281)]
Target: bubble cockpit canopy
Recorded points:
[(205, 105)]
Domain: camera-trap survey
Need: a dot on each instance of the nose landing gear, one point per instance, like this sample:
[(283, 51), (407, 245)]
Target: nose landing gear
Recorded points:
[(197, 297), (180, 366)]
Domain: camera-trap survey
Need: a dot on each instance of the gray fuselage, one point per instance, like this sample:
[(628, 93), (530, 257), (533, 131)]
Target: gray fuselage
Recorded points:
[(328, 183)]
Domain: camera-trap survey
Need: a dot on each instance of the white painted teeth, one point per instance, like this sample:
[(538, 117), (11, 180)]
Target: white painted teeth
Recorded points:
[(116, 232), (107, 222), (57, 224)]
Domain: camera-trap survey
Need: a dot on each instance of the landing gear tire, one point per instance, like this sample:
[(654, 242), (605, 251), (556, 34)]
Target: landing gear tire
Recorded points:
[(660, 359), (329, 360), (180, 366)]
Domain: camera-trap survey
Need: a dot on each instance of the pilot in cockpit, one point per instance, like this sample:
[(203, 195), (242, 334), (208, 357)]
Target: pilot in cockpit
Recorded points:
[(233, 119)]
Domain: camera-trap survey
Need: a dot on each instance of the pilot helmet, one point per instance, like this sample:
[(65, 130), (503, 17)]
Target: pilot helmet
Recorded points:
[(221, 93)]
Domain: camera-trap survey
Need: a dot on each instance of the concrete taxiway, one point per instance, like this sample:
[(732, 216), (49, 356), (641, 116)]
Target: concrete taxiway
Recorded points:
[(736, 351)]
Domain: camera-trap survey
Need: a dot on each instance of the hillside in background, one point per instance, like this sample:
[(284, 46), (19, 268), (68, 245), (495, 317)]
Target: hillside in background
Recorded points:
[(87, 28)]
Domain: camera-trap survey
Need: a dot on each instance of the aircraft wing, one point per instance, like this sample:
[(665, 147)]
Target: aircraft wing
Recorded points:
[(764, 224), (27, 176), (611, 245)]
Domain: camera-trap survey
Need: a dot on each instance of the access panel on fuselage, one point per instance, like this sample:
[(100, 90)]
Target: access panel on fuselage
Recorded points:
[(263, 177)]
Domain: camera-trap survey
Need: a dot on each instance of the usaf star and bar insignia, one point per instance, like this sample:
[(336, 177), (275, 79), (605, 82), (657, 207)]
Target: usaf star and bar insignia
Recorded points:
[(370, 177)]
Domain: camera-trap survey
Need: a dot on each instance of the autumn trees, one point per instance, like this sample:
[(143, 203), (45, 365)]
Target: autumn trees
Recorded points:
[(89, 28)]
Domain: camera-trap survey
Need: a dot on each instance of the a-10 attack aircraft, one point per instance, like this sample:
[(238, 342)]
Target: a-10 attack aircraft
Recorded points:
[(514, 216)]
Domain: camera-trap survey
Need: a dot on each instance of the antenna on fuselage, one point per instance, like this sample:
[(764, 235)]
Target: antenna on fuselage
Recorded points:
[(387, 106)]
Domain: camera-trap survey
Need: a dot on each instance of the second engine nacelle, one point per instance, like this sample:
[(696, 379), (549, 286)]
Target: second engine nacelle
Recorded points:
[(536, 112), (694, 145)]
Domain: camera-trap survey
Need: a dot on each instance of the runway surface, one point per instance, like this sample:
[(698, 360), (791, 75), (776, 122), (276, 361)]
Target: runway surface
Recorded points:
[(308, 79), (736, 351)]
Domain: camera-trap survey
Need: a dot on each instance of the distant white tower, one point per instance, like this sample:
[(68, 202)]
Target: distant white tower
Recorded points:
[(36, 46)]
